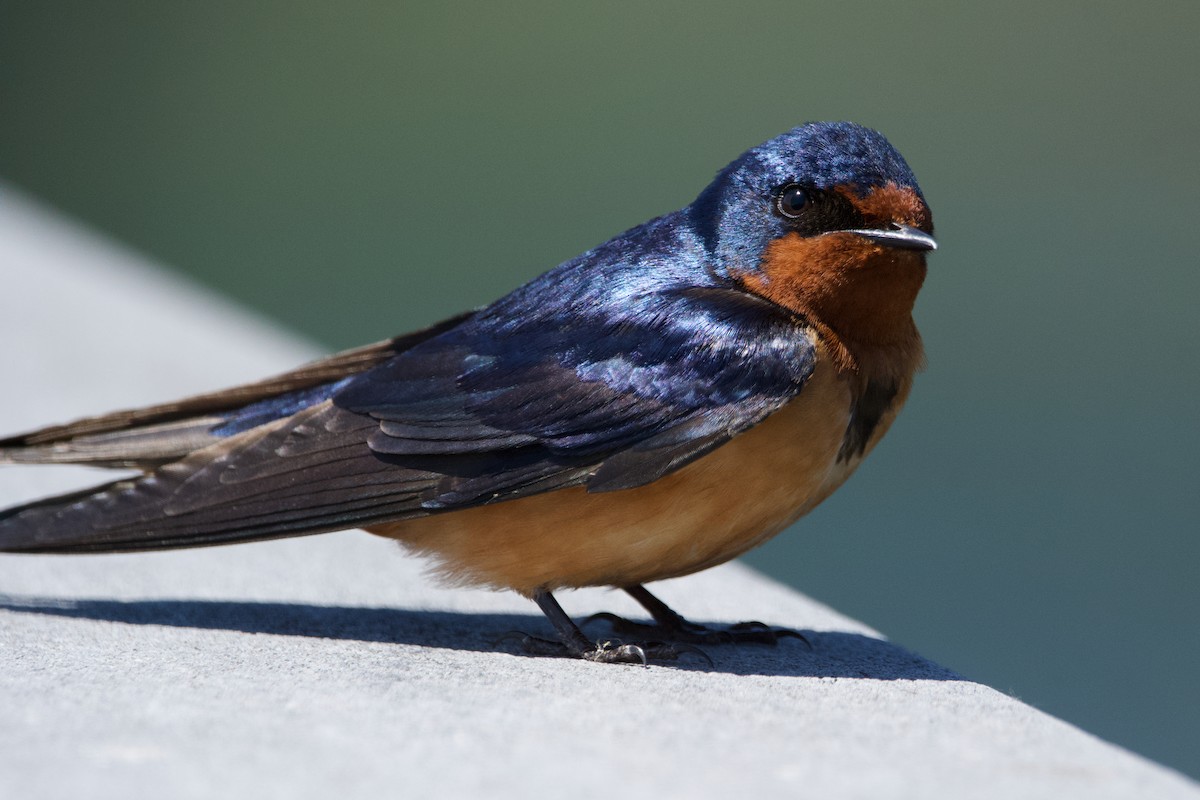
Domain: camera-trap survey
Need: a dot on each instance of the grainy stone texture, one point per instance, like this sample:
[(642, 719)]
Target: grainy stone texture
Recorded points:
[(331, 667)]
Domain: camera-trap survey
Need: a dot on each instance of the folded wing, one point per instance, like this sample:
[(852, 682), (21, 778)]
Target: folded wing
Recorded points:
[(485, 410)]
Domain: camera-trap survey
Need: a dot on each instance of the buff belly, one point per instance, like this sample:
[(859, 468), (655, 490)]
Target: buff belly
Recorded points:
[(706, 513)]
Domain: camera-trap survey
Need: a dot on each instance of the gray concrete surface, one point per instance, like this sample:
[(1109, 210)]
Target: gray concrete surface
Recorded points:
[(332, 667)]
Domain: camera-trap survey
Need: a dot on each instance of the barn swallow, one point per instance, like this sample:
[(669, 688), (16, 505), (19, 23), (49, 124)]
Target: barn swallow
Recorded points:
[(656, 406)]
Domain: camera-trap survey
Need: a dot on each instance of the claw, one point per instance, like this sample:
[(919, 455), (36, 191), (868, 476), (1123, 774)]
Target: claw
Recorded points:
[(605, 653), (768, 632), (681, 630), (749, 625), (781, 632), (658, 651), (679, 650), (635, 651)]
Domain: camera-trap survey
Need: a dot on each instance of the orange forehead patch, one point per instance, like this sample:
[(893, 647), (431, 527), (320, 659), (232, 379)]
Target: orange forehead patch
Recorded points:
[(891, 203)]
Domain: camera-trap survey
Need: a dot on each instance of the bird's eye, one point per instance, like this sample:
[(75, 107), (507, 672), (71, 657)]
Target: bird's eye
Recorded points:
[(792, 201)]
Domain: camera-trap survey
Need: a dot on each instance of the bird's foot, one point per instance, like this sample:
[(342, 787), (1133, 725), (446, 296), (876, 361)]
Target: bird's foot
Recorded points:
[(606, 652), (573, 644), (681, 630)]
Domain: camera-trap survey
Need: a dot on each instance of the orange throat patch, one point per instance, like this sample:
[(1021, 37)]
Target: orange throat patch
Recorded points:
[(858, 294)]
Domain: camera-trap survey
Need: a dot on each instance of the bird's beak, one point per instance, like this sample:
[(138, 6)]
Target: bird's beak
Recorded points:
[(904, 237)]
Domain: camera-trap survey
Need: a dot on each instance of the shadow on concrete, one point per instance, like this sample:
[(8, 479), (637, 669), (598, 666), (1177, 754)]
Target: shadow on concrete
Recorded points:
[(834, 654)]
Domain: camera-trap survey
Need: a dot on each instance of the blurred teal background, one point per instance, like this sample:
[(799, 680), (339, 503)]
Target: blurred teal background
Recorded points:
[(355, 170)]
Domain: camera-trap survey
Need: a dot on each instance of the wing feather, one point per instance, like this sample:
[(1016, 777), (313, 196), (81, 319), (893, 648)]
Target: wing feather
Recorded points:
[(149, 437), (483, 411)]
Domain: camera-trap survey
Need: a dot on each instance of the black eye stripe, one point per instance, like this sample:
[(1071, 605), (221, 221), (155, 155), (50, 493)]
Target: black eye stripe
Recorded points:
[(810, 211)]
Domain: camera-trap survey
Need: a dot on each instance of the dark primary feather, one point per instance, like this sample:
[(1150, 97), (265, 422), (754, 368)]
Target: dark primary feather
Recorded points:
[(146, 438)]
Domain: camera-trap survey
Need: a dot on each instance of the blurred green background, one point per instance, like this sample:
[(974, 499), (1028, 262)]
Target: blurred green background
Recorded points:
[(355, 170)]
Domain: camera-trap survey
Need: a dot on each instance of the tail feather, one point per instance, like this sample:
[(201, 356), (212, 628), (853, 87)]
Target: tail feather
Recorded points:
[(63, 524), (245, 488), (262, 461), (143, 447), (147, 438)]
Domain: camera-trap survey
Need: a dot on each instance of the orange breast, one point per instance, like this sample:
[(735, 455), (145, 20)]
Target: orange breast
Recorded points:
[(708, 512)]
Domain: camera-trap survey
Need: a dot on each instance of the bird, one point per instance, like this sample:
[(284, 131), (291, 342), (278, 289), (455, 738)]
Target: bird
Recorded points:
[(656, 406)]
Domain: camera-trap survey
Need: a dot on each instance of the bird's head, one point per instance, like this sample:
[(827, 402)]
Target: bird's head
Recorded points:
[(826, 220)]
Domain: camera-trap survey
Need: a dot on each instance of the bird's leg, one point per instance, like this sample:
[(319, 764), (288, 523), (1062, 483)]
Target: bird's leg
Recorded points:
[(573, 643), (672, 627)]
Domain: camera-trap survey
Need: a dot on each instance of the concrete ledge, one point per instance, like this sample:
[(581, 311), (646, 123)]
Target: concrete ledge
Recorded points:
[(330, 667)]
